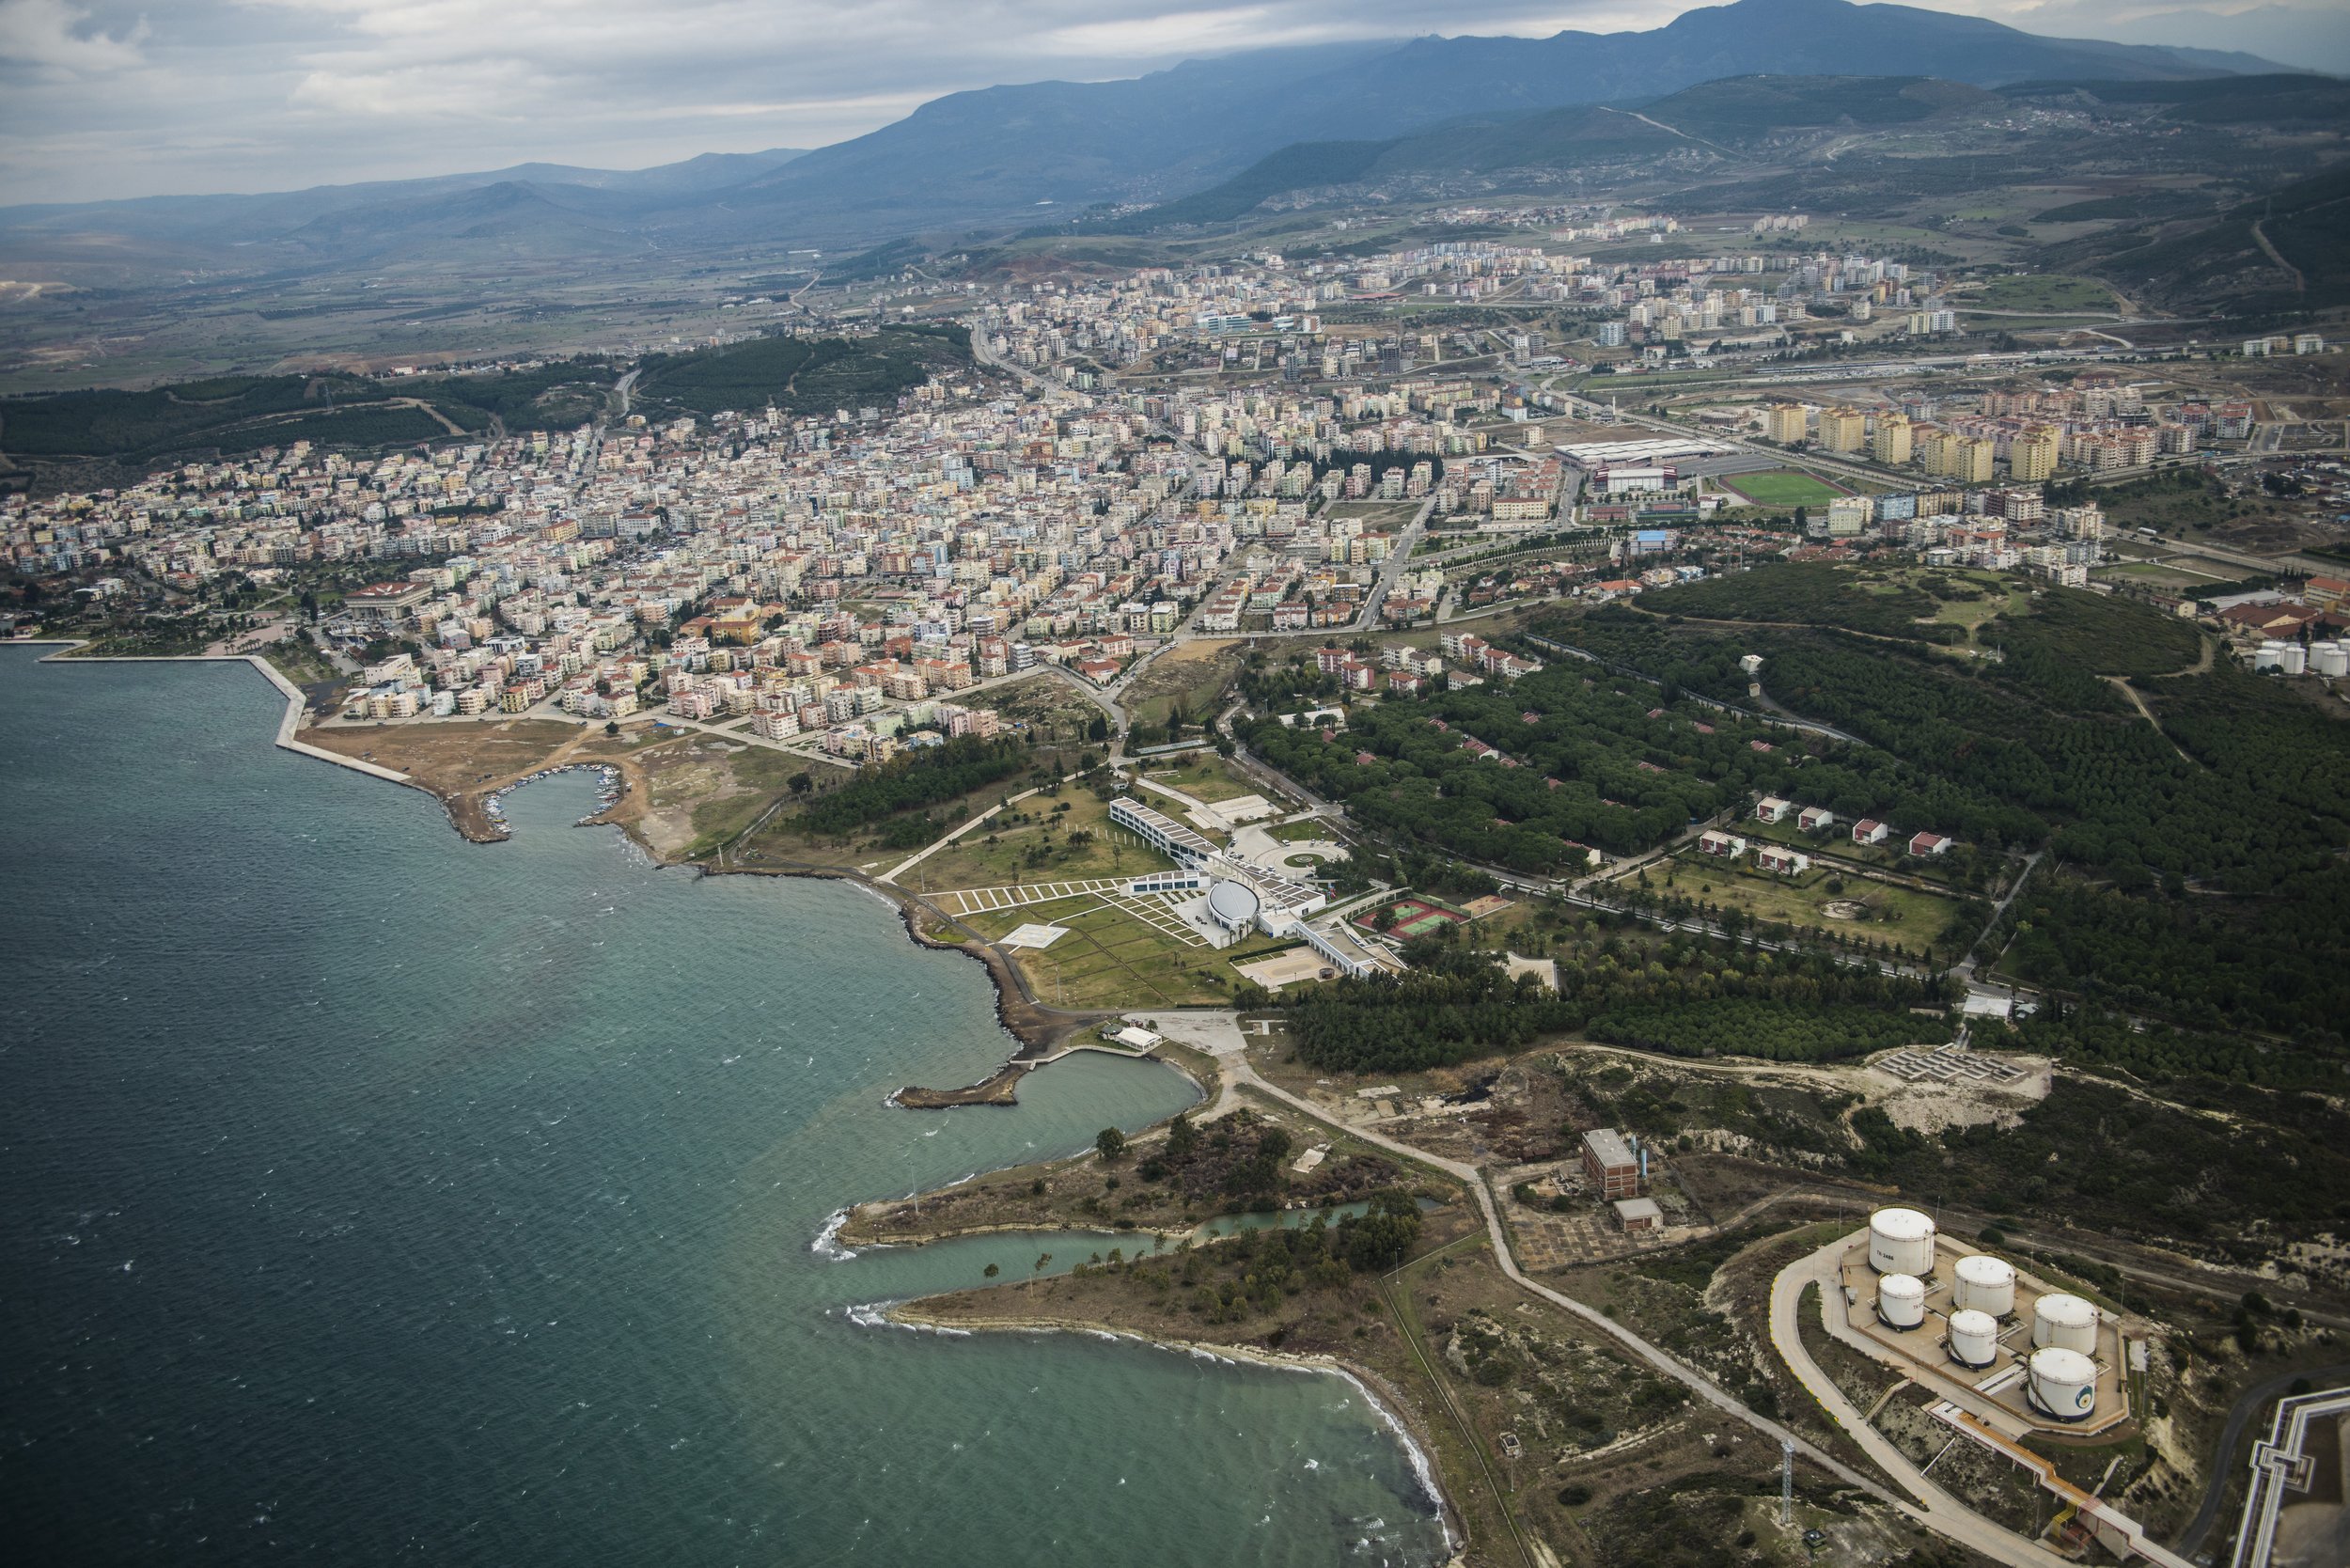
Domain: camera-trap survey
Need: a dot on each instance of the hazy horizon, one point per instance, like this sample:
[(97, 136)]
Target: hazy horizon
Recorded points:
[(112, 100)]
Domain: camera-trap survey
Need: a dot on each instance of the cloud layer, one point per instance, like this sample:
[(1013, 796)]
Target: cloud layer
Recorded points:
[(114, 98)]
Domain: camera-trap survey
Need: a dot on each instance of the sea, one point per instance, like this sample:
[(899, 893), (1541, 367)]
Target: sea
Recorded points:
[(367, 1195)]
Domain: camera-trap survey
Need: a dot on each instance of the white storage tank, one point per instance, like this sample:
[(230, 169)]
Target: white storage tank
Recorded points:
[(1901, 1300), (2329, 658), (1901, 1241), (1985, 1283), (2269, 655), (2063, 1383), (1974, 1338), (2293, 660), (2064, 1322)]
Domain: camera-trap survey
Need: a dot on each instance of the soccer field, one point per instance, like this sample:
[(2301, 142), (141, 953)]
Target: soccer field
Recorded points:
[(1782, 487)]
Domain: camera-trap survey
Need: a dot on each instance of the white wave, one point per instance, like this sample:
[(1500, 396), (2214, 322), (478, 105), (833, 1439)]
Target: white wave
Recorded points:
[(875, 1314), (1422, 1471), (828, 1243)]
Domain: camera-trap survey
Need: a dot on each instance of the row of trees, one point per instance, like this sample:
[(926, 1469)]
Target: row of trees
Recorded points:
[(1763, 1026), (920, 777), (1457, 1003)]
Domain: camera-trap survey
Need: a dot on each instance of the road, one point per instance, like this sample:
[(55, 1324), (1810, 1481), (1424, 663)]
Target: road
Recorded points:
[(2240, 1415), (1781, 717), (1937, 1510)]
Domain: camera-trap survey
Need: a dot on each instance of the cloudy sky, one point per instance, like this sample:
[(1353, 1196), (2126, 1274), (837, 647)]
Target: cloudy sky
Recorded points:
[(117, 97)]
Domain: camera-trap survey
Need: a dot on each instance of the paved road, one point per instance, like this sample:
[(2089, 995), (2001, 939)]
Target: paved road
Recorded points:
[(1781, 717), (1935, 1508), (1951, 1520), (2223, 1466)]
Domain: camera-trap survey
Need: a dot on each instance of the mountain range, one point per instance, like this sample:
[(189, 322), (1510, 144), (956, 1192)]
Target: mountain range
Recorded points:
[(1019, 153)]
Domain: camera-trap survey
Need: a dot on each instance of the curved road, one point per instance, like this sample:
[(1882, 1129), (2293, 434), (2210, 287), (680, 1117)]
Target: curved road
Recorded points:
[(2223, 1458), (1938, 1511), (1936, 1508)]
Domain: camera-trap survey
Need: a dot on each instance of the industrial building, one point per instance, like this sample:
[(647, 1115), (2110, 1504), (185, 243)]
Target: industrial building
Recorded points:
[(2016, 1353), (1609, 1163)]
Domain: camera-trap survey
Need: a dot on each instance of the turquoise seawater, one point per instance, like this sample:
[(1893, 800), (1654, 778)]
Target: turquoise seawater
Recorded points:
[(375, 1197)]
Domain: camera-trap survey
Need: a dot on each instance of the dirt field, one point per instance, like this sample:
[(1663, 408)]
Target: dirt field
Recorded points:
[(1194, 672), (462, 760), (685, 793)]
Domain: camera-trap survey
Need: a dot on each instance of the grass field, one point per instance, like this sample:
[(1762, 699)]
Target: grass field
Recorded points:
[(1203, 775), (1901, 915), (1111, 959), (1033, 843), (1782, 487), (2154, 575), (2051, 292)]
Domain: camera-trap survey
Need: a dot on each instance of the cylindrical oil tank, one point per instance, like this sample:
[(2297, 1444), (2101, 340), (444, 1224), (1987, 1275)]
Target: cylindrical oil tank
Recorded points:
[(2329, 658), (1985, 1283), (1901, 1300), (1974, 1338), (2065, 1322), (2294, 658), (1901, 1241), (2063, 1383), (2269, 655)]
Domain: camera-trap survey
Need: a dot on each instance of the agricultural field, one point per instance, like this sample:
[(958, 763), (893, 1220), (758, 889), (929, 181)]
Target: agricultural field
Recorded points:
[(1782, 487)]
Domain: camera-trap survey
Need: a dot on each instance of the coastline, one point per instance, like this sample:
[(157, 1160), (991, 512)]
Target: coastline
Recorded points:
[(1394, 1410), (1038, 1031), (1037, 1028), (288, 723)]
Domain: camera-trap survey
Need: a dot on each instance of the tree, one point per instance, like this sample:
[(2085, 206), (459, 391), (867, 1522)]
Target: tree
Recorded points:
[(1099, 729), (1110, 1142), (802, 783), (612, 726)]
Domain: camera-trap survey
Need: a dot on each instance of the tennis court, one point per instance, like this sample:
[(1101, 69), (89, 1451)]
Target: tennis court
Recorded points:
[(1411, 917)]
